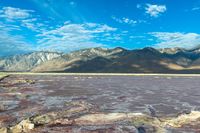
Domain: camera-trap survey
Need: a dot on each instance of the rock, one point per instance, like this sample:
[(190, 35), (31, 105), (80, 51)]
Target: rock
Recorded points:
[(44, 119), (3, 130), (184, 112), (148, 124), (75, 109), (141, 130), (23, 126), (101, 118), (183, 119), (151, 110)]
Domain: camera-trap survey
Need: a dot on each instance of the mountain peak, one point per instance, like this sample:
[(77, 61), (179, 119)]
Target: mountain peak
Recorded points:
[(149, 49), (119, 48)]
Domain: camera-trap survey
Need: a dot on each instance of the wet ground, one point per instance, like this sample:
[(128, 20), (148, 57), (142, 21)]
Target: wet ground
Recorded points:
[(22, 96)]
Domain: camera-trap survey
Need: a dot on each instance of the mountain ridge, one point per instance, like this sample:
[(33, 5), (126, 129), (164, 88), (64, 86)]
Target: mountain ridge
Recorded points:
[(146, 60)]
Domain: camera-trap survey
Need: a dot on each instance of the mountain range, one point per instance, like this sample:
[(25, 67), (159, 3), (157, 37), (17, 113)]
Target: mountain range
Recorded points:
[(103, 60)]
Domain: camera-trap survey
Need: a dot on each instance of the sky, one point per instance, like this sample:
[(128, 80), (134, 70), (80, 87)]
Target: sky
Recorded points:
[(68, 25)]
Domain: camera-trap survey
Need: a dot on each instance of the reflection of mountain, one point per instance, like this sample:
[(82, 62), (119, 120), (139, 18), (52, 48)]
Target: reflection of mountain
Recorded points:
[(118, 60)]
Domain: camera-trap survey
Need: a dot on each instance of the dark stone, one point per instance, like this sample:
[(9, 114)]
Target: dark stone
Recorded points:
[(141, 130)]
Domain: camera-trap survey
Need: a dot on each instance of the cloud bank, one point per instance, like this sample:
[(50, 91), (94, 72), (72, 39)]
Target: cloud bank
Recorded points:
[(176, 39), (71, 36), (61, 37)]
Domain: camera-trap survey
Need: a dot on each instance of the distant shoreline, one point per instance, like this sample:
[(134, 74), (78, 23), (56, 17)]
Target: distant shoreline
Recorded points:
[(101, 74)]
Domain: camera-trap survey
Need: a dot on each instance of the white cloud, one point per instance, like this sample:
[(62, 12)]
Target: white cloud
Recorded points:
[(12, 44), (12, 13), (176, 39), (73, 36), (126, 20), (155, 10), (196, 9), (66, 37), (26, 18), (33, 25)]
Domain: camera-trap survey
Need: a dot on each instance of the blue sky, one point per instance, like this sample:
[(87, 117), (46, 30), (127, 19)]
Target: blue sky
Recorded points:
[(67, 25)]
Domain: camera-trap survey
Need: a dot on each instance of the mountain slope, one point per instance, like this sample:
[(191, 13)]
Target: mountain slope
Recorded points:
[(117, 60), (68, 61), (147, 60), (26, 62)]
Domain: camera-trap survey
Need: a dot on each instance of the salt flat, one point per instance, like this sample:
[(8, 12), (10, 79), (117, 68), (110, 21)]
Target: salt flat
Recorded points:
[(25, 95)]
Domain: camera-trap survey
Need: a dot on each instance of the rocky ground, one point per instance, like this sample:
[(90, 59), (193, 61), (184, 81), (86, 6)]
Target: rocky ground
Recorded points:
[(54, 104)]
